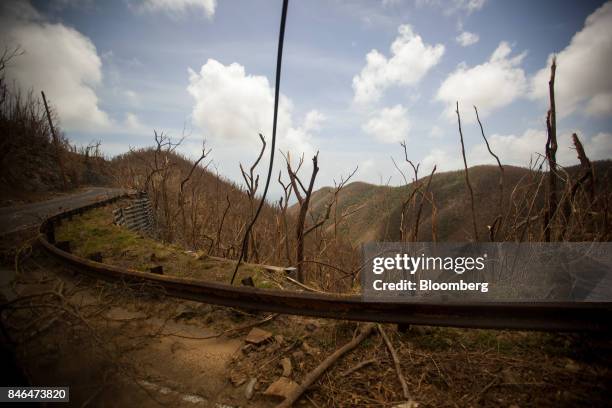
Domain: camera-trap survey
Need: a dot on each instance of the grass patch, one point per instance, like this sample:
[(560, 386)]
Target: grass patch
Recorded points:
[(94, 232)]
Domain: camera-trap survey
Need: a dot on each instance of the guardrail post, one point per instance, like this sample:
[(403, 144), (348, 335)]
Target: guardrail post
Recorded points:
[(96, 256), (50, 232), (159, 270), (403, 328), (63, 245)]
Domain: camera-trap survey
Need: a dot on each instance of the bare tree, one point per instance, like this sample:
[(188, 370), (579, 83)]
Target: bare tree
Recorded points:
[(303, 195), (551, 154), (283, 203), (467, 176), (252, 182), (56, 143), (496, 224), (181, 193)]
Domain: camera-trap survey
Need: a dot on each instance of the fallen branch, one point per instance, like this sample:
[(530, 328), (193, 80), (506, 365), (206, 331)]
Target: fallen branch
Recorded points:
[(304, 286), (229, 331), (358, 367), (312, 376), (396, 362)]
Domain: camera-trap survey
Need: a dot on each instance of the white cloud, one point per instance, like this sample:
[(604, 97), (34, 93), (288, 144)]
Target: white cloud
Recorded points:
[(232, 106), (471, 5), (583, 80), (600, 146), (313, 120), (179, 7), (132, 122), (411, 59), (132, 97), (465, 39), (57, 59), (436, 132), (599, 105), (454, 6), (389, 125), (443, 159), (490, 86)]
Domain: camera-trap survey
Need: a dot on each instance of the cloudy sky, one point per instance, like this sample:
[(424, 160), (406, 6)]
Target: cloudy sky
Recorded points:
[(358, 76)]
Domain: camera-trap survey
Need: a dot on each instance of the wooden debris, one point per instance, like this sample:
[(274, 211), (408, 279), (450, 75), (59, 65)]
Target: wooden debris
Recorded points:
[(282, 388), (258, 336), (287, 367), (312, 376), (313, 351), (249, 390), (409, 404), (357, 367), (396, 362), (237, 379)]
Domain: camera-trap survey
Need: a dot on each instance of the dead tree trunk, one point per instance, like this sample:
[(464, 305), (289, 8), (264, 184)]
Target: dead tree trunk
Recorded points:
[(252, 183), (56, 144), (303, 197), (551, 155), (467, 176)]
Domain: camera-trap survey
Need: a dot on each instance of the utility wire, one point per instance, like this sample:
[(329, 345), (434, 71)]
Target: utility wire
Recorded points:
[(279, 60)]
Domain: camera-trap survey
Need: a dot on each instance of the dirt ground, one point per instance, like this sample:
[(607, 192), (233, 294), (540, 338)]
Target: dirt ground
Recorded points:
[(120, 346)]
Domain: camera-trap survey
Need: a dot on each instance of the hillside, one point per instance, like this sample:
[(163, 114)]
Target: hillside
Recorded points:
[(214, 210), (378, 218)]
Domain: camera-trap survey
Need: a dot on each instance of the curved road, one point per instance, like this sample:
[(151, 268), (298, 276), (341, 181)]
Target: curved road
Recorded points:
[(25, 216)]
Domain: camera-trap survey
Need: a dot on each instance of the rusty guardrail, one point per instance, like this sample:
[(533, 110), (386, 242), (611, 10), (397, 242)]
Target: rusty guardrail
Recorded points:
[(548, 316)]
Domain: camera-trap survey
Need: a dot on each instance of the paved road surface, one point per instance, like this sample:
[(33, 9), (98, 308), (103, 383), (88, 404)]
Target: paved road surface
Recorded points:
[(24, 216)]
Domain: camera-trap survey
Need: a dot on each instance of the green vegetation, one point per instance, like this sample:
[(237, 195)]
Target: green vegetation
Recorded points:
[(95, 232)]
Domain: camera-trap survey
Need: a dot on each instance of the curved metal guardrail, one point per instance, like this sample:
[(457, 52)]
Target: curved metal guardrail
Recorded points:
[(553, 316)]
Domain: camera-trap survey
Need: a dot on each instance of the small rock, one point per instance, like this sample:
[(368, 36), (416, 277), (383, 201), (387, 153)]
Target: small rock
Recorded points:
[(572, 366), (287, 367), (281, 388), (249, 390), (237, 379), (258, 336), (313, 351), (509, 376), (185, 312)]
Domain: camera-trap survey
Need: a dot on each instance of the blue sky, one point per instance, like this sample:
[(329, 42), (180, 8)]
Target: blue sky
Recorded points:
[(116, 70)]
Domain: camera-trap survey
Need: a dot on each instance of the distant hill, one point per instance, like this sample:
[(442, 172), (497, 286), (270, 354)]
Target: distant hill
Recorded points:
[(379, 216)]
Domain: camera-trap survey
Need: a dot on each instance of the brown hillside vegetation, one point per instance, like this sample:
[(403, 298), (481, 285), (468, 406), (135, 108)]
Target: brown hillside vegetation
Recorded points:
[(379, 207), (210, 213), (32, 161)]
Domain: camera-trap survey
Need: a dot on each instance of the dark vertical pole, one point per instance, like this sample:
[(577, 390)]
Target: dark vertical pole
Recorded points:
[(279, 63)]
